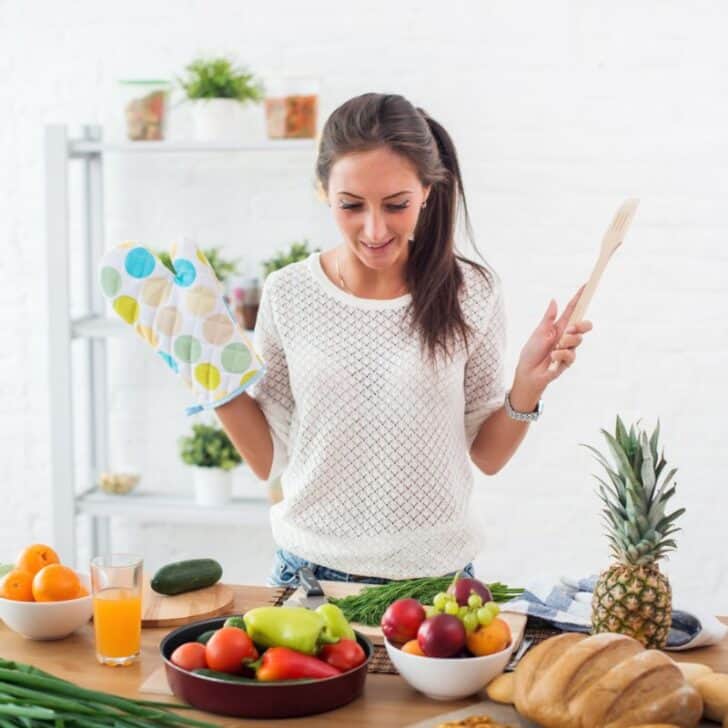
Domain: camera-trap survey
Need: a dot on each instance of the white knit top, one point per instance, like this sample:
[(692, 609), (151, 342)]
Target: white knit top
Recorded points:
[(372, 440)]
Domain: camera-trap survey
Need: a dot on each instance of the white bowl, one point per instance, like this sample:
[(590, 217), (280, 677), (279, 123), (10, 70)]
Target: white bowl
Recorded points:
[(47, 620), (448, 678)]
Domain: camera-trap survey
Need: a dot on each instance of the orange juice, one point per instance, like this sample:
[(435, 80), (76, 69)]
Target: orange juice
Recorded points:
[(118, 622)]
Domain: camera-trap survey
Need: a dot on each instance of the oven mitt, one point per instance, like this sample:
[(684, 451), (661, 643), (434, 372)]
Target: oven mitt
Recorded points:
[(183, 317)]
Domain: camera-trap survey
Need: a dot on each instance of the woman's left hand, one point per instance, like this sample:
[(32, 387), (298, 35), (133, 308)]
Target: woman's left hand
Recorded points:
[(541, 348)]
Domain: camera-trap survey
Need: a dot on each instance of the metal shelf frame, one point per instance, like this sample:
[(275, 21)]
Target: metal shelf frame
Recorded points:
[(61, 150)]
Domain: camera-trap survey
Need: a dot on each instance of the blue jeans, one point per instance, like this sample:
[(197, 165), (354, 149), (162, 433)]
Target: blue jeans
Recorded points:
[(286, 566)]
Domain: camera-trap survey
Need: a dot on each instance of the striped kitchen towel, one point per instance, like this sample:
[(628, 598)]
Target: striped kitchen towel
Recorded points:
[(567, 605)]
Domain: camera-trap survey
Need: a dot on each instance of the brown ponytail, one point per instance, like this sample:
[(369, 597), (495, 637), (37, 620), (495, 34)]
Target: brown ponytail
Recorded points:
[(433, 274)]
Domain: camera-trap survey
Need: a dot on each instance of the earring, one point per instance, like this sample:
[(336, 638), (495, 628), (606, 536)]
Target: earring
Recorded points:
[(424, 204)]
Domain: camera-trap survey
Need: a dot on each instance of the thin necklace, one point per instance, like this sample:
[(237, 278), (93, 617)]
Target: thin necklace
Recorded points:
[(346, 288)]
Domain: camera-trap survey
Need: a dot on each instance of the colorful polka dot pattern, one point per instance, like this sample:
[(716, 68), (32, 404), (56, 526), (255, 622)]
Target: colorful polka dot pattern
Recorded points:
[(183, 316)]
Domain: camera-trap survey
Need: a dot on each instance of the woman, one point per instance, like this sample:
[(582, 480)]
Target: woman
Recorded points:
[(385, 364)]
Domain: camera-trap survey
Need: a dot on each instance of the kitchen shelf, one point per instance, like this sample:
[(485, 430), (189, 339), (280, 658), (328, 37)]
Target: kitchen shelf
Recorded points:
[(79, 148), (166, 508), (94, 329), (104, 327)]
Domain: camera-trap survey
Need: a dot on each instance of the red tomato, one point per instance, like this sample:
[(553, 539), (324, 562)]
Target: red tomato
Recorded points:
[(227, 648), (190, 656)]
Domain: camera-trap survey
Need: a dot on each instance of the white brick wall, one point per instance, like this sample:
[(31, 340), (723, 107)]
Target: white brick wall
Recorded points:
[(559, 110)]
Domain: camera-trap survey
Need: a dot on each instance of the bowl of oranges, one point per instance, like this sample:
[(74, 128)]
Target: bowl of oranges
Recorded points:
[(42, 599)]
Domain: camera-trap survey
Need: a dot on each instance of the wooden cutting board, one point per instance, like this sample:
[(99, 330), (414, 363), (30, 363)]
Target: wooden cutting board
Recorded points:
[(340, 589), (159, 610)]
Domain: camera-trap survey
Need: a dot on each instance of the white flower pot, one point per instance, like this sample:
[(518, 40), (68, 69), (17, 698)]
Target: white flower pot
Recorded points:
[(227, 120), (213, 486)]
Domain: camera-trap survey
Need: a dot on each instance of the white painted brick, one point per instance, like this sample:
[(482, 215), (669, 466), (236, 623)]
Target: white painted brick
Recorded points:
[(559, 110)]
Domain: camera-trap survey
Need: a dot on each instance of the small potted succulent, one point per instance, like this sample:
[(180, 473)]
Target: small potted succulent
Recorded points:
[(209, 450), (223, 98)]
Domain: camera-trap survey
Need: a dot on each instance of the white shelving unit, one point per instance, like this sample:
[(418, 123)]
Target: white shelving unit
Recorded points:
[(95, 328)]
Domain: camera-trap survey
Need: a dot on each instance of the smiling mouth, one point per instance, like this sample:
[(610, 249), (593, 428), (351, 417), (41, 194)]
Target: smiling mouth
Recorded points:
[(378, 247)]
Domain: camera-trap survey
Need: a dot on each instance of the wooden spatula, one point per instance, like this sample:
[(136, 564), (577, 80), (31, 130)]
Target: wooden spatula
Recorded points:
[(610, 242)]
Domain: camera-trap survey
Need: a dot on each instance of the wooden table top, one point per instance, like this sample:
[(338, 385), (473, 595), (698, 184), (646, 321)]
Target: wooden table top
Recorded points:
[(387, 699)]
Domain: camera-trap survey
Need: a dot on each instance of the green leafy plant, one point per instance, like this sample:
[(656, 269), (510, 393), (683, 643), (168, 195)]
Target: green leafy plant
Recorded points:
[(219, 78), (208, 447), (297, 251), (223, 268)]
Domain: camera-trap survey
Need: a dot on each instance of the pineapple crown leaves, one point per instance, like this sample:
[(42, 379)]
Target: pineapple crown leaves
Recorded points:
[(635, 495)]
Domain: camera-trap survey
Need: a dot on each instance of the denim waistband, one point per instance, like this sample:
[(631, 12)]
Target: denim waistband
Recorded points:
[(286, 566)]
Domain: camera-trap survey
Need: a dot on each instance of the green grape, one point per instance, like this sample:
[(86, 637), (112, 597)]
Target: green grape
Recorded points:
[(493, 608), (475, 601), (430, 611), (470, 621), (462, 612), (484, 616), (452, 608), (440, 601)]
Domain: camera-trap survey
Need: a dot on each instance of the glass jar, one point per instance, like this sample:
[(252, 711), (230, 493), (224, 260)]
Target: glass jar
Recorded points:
[(291, 108), (145, 105)]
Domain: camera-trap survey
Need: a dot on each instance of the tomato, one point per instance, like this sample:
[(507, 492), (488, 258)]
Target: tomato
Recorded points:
[(344, 655), (228, 648), (189, 656)]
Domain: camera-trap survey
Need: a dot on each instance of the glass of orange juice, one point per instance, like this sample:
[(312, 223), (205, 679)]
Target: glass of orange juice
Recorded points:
[(116, 584)]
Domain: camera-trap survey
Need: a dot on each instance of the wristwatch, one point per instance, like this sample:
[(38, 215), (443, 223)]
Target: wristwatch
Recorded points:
[(523, 416)]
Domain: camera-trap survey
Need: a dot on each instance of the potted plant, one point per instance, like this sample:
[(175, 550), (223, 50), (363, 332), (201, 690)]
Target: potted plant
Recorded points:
[(223, 98), (209, 450), (297, 251)]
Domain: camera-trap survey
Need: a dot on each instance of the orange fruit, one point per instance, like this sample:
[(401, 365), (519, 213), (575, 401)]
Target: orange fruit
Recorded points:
[(55, 583), (82, 591), (487, 640), (413, 648), (33, 558), (18, 585)]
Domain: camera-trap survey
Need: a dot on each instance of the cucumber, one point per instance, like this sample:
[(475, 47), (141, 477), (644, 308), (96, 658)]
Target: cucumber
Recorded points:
[(238, 622), (204, 638), (184, 576), (205, 672)]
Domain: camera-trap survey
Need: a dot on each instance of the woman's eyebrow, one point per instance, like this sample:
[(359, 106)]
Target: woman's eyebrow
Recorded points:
[(359, 197)]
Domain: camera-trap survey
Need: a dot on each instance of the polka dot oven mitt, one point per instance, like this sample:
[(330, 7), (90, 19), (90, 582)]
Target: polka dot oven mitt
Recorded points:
[(183, 317)]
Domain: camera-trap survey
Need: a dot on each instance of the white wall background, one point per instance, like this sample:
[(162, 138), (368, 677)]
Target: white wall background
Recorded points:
[(559, 111)]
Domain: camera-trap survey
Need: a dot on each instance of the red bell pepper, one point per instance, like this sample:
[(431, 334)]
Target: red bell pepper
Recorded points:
[(283, 663), (344, 655)]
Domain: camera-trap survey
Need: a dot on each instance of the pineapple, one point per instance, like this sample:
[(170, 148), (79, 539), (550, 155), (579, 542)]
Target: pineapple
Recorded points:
[(632, 597)]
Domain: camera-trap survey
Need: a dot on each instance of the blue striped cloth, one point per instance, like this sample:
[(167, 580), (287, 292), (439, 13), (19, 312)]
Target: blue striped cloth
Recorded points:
[(567, 606)]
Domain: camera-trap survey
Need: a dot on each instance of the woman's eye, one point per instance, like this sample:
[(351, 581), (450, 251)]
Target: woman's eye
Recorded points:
[(358, 205)]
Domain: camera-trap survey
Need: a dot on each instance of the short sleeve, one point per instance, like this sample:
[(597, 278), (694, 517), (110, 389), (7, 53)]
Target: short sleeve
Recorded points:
[(484, 378), (273, 391)]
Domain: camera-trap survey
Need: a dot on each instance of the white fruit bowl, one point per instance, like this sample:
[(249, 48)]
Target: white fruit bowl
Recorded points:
[(448, 678), (47, 620)]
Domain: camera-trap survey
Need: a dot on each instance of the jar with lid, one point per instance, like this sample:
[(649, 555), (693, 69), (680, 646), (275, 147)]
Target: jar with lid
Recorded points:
[(291, 108)]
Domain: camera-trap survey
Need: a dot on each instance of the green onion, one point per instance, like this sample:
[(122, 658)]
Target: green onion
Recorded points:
[(31, 697), (369, 605)]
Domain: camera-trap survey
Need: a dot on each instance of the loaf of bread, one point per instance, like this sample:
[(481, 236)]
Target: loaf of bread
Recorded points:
[(693, 671), (713, 688), (603, 681), (500, 690)]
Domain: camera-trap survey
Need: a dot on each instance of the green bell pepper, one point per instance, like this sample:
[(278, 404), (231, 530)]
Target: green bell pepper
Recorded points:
[(337, 625), (294, 627)]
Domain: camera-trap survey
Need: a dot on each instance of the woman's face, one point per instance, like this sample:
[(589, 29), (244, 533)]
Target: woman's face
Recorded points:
[(376, 198)]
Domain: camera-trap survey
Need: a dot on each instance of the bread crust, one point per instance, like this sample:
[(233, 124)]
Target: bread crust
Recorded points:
[(603, 681)]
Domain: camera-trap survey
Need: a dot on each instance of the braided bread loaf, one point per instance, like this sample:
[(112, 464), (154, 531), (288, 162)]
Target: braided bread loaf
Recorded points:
[(603, 681)]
